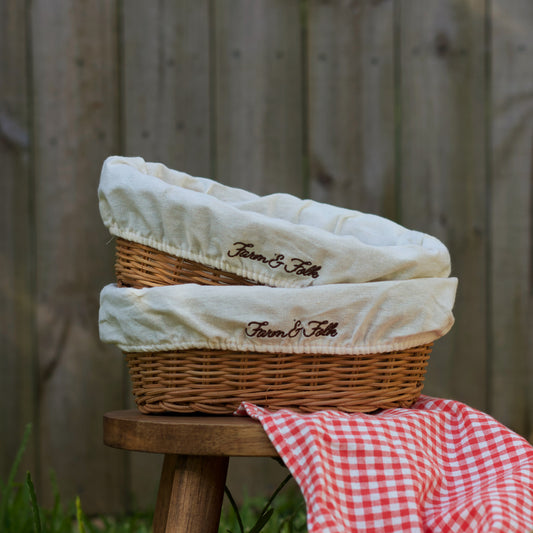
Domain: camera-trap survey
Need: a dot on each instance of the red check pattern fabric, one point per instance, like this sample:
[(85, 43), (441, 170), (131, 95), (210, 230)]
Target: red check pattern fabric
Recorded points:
[(439, 466)]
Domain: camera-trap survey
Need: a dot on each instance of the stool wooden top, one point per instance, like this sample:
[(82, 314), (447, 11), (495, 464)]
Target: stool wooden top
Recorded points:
[(187, 434)]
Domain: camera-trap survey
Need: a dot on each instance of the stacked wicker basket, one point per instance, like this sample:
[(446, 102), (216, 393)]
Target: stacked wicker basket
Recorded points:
[(203, 379)]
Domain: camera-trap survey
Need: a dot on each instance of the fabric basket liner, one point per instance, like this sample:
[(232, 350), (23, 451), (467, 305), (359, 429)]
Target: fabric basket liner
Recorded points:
[(277, 240), (334, 319)]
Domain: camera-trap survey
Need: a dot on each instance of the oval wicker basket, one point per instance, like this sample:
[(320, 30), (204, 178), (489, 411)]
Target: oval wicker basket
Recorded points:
[(217, 382)]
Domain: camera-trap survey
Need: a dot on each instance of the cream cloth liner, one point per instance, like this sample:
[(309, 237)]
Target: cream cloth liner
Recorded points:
[(335, 319), (278, 240)]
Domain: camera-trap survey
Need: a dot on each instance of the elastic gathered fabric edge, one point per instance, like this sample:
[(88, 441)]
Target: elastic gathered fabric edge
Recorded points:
[(273, 281), (413, 342)]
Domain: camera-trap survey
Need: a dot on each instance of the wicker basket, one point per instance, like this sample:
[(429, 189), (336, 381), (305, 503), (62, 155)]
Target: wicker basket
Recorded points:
[(218, 381)]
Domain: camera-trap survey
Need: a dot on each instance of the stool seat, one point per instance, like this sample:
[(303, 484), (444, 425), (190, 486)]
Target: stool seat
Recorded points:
[(231, 436), (197, 450)]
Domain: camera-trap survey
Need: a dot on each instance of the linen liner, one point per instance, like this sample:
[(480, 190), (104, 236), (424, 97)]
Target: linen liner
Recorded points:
[(334, 319), (277, 240)]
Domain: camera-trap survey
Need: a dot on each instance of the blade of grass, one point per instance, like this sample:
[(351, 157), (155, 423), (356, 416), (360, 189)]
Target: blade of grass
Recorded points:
[(8, 487), (275, 493), (79, 516), (262, 521), (235, 508), (289, 519), (34, 506), (57, 519)]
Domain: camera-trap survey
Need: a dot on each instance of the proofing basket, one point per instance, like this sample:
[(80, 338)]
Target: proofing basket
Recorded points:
[(217, 381)]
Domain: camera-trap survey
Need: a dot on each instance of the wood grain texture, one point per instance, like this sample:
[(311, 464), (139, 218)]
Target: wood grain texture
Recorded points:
[(511, 150), (166, 75), (442, 175), (351, 104), (257, 95), (190, 494), (75, 83), (17, 342), (189, 435)]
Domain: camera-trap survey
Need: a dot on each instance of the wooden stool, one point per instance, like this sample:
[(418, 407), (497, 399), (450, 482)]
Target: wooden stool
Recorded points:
[(197, 450)]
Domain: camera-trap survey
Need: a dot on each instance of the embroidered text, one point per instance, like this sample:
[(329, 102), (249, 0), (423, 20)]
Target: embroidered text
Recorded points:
[(296, 266)]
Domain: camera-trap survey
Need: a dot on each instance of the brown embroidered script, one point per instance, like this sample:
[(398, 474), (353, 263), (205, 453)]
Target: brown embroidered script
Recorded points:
[(313, 328), (296, 266)]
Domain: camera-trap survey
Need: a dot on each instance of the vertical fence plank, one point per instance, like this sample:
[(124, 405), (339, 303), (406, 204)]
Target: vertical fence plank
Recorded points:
[(511, 215), (166, 98), (442, 187), (258, 136), (167, 83), (75, 127), (17, 381), (257, 95), (351, 104)]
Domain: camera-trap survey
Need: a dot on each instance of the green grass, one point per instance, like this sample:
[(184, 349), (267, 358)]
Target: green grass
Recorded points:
[(20, 511)]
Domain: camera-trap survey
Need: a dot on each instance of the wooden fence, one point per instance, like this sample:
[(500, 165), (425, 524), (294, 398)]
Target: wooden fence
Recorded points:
[(417, 110)]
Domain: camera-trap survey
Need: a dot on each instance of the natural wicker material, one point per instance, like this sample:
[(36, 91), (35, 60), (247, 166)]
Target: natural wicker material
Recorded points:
[(141, 266), (217, 381)]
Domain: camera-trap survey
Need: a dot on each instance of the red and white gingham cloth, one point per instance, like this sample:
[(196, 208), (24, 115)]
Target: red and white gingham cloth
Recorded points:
[(439, 466)]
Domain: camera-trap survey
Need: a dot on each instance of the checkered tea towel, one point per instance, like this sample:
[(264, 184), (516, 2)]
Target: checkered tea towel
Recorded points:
[(439, 466)]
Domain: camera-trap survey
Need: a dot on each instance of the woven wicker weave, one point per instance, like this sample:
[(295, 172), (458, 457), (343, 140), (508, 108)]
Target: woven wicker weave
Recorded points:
[(141, 266), (217, 381)]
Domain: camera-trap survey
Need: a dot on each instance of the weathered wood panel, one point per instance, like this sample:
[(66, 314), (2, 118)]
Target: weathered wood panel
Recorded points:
[(351, 104), (257, 95), (167, 118), (166, 91), (257, 123), (442, 186), (75, 102), (511, 182), (17, 377)]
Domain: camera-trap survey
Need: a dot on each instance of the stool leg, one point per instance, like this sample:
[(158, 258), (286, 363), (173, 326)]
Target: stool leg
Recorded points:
[(190, 494)]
